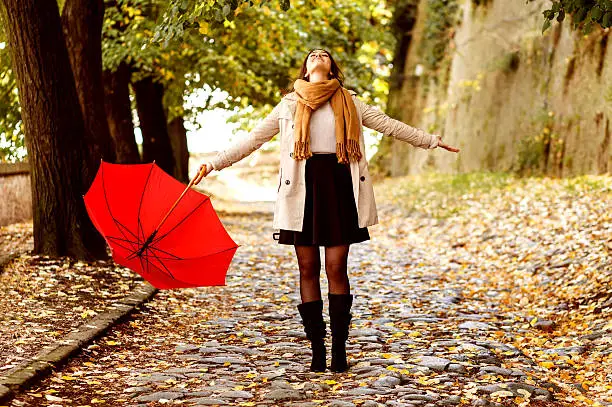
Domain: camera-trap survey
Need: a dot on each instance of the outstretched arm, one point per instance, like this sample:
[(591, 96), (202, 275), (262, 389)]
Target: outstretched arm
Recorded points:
[(375, 119), (264, 131)]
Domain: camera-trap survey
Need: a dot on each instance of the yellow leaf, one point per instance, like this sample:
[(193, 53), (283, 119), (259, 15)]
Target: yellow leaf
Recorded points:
[(53, 398), (68, 377), (94, 401), (112, 343), (329, 381), (524, 393), (547, 364), (88, 313), (502, 393)]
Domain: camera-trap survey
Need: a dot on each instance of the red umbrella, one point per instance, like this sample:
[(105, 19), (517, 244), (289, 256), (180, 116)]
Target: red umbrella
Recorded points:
[(169, 234)]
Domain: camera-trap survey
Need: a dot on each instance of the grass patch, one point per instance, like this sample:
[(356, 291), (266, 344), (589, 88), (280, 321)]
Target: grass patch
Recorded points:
[(444, 195), (441, 195), (587, 184)]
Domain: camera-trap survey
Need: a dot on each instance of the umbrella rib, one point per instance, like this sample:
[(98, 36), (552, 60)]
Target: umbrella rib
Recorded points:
[(163, 265), (142, 265), (156, 240), (140, 206), (146, 258), (212, 254), (117, 239), (175, 257), (115, 221)]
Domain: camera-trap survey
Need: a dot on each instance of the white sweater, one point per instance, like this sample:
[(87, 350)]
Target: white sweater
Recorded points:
[(323, 130)]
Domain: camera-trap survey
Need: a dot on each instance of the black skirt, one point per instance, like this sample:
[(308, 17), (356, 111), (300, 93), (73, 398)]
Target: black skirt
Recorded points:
[(330, 213)]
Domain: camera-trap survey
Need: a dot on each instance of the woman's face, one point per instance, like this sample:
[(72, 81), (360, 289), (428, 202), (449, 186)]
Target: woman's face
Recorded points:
[(318, 60)]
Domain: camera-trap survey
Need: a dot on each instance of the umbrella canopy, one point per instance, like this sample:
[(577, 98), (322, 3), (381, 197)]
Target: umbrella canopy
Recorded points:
[(169, 234)]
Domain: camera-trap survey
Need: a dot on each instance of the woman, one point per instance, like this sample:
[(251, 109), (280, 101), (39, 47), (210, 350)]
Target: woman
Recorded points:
[(326, 198)]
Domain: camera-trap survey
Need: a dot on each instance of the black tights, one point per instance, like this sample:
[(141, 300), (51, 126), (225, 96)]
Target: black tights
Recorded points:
[(309, 263)]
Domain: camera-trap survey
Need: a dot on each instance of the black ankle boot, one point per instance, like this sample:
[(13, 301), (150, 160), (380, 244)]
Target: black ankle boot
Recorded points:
[(314, 327), (339, 322)]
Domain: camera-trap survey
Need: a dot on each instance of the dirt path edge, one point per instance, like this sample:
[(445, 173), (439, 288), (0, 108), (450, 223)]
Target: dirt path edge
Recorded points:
[(55, 355)]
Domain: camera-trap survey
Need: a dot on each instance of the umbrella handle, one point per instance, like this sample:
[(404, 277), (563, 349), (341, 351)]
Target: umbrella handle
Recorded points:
[(177, 201)]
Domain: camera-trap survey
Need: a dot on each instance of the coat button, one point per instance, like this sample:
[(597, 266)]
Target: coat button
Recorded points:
[(290, 154), (287, 182), (362, 178), (293, 126)]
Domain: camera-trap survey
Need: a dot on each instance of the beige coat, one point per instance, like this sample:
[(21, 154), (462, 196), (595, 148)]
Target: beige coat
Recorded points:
[(289, 206)]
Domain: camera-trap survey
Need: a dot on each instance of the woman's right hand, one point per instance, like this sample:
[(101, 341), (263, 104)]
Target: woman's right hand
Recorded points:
[(203, 171)]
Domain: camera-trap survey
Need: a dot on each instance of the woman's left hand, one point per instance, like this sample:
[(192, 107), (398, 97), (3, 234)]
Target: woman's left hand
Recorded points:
[(446, 146)]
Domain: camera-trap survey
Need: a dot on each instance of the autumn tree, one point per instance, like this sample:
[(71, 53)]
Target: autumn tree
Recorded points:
[(54, 129), (82, 25)]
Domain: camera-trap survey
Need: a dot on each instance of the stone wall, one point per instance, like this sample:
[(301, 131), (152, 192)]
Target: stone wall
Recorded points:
[(515, 99), (15, 193)]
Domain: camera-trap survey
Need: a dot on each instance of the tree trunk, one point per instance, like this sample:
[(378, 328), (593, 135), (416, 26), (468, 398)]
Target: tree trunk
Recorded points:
[(54, 130), (119, 113), (404, 19), (155, 138), (82, 25), (178, 138)]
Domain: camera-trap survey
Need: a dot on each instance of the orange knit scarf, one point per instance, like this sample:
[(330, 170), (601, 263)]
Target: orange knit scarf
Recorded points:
[(312, 95)]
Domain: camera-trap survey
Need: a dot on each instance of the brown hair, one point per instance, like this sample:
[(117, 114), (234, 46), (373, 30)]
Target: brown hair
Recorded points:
[(334, 71)]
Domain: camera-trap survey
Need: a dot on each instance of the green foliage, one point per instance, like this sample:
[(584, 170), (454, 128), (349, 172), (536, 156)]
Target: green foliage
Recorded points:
[(181, 15), (534, 150), (509, 62), (260, 51), (251, 55), (584, 13), (442, 17), (12, 141)]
